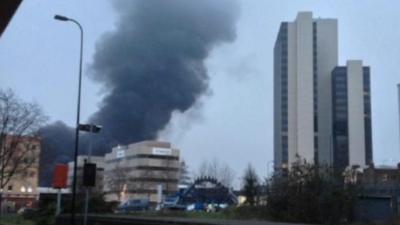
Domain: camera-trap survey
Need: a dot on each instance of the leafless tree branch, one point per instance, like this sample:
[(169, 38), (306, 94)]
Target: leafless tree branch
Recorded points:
[(19, 144)]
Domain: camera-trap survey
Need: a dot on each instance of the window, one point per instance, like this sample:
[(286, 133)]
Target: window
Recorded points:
[(9, 188), (340, 128), (32, 173), (315, 123), (29, 159), (384, 177)]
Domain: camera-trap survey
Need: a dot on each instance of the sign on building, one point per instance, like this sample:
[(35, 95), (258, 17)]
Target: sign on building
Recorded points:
[(120, 154), (162, 151)]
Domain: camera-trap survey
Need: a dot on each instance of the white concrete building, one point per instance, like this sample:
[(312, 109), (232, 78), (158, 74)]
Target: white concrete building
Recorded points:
[(135, 171), (98, 160), (398, 93), (306, 52), (352, 132), (305, 55)]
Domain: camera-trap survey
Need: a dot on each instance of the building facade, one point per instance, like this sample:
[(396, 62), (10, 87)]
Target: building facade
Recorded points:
[(379, 197), (99, 161), (21, 188), (305, 55), (351, 98), (136, 171), (398, 102)]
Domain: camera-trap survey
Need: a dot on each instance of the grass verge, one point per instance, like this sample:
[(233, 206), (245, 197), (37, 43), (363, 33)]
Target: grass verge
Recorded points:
[(247, 212), (14, 220)]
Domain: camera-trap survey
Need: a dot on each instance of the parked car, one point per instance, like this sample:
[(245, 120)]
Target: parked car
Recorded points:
[(27, 213), (172, 203), (134, 205), (198, 206)]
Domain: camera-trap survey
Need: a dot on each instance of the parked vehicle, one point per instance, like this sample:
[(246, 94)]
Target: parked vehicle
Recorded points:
[(27, 213), (172, 203), (198, 206), (134, 205)]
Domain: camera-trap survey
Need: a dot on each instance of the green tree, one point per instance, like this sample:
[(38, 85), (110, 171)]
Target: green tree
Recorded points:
[(250, 185), (310, 194)]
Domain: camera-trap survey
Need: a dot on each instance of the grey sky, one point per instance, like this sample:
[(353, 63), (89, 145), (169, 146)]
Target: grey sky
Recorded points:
[(39, 56)]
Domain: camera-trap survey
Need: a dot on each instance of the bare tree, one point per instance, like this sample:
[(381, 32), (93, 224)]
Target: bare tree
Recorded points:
[(226, 175), (19, 143), (142, 183), (184, 176), (116, 181), (213, 169), (203, 169), (218, 170)]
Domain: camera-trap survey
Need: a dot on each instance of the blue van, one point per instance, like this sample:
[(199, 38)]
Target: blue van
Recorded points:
[(134, 205)]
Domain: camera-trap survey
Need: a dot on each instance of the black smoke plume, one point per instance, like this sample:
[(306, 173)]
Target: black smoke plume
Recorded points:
[(149, 67)]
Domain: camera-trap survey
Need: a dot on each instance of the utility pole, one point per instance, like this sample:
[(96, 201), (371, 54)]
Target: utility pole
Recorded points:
[(78, 111)]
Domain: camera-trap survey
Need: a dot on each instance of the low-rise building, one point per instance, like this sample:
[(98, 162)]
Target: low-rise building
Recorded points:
[(136, 171), (99, 161), (21, 173), (379, 198)]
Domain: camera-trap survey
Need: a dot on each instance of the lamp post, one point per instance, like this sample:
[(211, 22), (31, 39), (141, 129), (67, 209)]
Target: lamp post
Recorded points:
[(66, 19)]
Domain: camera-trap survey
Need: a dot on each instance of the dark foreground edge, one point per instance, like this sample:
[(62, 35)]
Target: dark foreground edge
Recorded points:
[(134, 220)]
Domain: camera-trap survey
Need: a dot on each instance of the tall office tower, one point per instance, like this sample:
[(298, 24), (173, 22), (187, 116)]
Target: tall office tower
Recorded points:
[(305, 53), (398, 93), (351, 98)]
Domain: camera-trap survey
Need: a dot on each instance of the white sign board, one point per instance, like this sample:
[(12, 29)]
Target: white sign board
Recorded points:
[(159, 197), (159, 193), (120, 154), (162, 151)]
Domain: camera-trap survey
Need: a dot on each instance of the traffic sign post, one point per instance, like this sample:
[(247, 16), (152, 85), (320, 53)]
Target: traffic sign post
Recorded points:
[(89, 169), (60, 181)]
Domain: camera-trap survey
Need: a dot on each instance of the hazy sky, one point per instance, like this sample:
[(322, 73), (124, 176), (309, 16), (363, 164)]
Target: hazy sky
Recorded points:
[(233, 122)]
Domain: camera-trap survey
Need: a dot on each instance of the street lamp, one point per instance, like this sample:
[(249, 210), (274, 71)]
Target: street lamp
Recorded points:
[(63, 18)]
